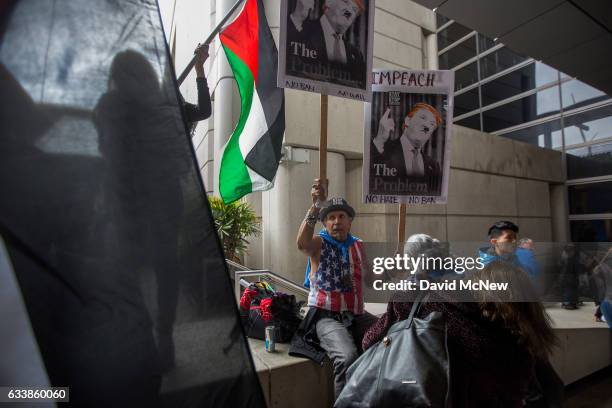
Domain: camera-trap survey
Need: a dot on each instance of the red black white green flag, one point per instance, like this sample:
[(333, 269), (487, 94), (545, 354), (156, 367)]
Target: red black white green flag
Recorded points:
[(251, 156)]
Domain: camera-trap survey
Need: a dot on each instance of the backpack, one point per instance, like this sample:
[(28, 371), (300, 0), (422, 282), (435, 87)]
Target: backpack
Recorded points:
[(262, 306)]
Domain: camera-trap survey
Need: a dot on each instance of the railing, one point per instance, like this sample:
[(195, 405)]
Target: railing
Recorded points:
[(244, 276), (236, 265)]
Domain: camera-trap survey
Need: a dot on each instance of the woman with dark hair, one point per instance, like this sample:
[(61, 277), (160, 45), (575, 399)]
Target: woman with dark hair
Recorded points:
[(494, 341)]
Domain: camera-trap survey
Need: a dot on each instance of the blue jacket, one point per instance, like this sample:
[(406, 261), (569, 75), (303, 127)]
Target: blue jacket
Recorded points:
[(523, 258)]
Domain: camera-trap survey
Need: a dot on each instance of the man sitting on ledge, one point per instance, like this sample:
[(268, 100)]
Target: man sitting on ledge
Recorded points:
[(336, 266)]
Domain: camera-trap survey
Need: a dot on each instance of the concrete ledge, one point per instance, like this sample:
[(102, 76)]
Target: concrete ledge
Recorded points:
[(585, 346), (292, 382)]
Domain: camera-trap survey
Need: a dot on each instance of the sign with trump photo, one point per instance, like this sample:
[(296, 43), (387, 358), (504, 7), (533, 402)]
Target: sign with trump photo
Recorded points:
[(406, 151), (325, 47)]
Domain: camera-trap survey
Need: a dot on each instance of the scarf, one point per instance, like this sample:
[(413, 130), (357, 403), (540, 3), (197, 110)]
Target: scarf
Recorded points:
[(343, 246)]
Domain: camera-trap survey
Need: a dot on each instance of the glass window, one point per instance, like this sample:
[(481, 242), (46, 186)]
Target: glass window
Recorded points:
[(498, 61), (545, 74), (473, 122), (532, 107), (484, 43), (591, 230), (547, 101), (509, 85), (543, 135), (458, 54), (591, 161), (588, 126), (592, 198), (466, 102), (516, 82), (441, 20), (451, 34), (465, 76), (576, 94)]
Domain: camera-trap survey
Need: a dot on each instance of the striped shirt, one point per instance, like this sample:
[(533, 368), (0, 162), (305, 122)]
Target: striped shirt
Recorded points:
[(336, 284)]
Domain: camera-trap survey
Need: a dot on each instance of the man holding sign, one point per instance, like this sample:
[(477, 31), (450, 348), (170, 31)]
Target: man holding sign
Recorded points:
[(336, 266)]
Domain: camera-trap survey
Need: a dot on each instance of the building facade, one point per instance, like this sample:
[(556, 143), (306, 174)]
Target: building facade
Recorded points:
[(507, 94), (491, 177)]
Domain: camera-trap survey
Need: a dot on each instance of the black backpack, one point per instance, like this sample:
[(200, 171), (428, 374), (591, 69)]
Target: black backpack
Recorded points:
[(261, 306)]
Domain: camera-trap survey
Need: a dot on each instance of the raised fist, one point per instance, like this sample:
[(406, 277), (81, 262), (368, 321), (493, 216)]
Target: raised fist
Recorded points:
[(319, 191), (201, 53)]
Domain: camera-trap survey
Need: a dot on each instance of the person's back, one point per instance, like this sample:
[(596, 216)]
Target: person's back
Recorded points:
[(487, 366), (493, 346)]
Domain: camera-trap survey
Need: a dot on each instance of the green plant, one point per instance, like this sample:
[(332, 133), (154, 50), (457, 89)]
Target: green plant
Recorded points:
[(234, 223)]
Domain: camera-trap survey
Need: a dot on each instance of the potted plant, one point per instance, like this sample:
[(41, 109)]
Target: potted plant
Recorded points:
[(234, 223)]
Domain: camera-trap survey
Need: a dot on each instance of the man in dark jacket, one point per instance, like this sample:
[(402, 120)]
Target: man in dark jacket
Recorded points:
[(201, 111)]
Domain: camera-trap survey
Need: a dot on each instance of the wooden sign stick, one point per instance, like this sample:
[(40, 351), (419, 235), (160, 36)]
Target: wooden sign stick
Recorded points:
[(323, 145), (401, 229)]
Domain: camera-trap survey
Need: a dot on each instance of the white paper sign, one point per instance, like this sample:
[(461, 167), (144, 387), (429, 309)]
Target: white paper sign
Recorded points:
[(326, 47), (406, 151)]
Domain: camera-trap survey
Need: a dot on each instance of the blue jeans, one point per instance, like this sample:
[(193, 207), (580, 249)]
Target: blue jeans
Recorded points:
[(606, 311)]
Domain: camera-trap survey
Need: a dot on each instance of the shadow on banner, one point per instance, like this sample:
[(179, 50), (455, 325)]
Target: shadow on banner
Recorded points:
[(105, 216)]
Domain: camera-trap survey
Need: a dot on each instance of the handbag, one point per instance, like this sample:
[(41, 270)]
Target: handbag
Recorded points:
[(409, 367)]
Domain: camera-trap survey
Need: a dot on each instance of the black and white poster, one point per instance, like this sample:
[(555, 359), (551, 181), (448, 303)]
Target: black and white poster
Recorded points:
[(326, 47), (407, 137)]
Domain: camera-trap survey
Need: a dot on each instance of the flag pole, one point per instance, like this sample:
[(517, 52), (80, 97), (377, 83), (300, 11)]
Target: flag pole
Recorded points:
[(323, 145), (208, 40), (401, 228)]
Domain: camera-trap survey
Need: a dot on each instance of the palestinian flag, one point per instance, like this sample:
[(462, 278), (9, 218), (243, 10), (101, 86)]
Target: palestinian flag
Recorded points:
[(251, 156)]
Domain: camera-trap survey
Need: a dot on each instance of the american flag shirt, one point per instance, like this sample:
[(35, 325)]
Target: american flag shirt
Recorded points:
[(336, 284)]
